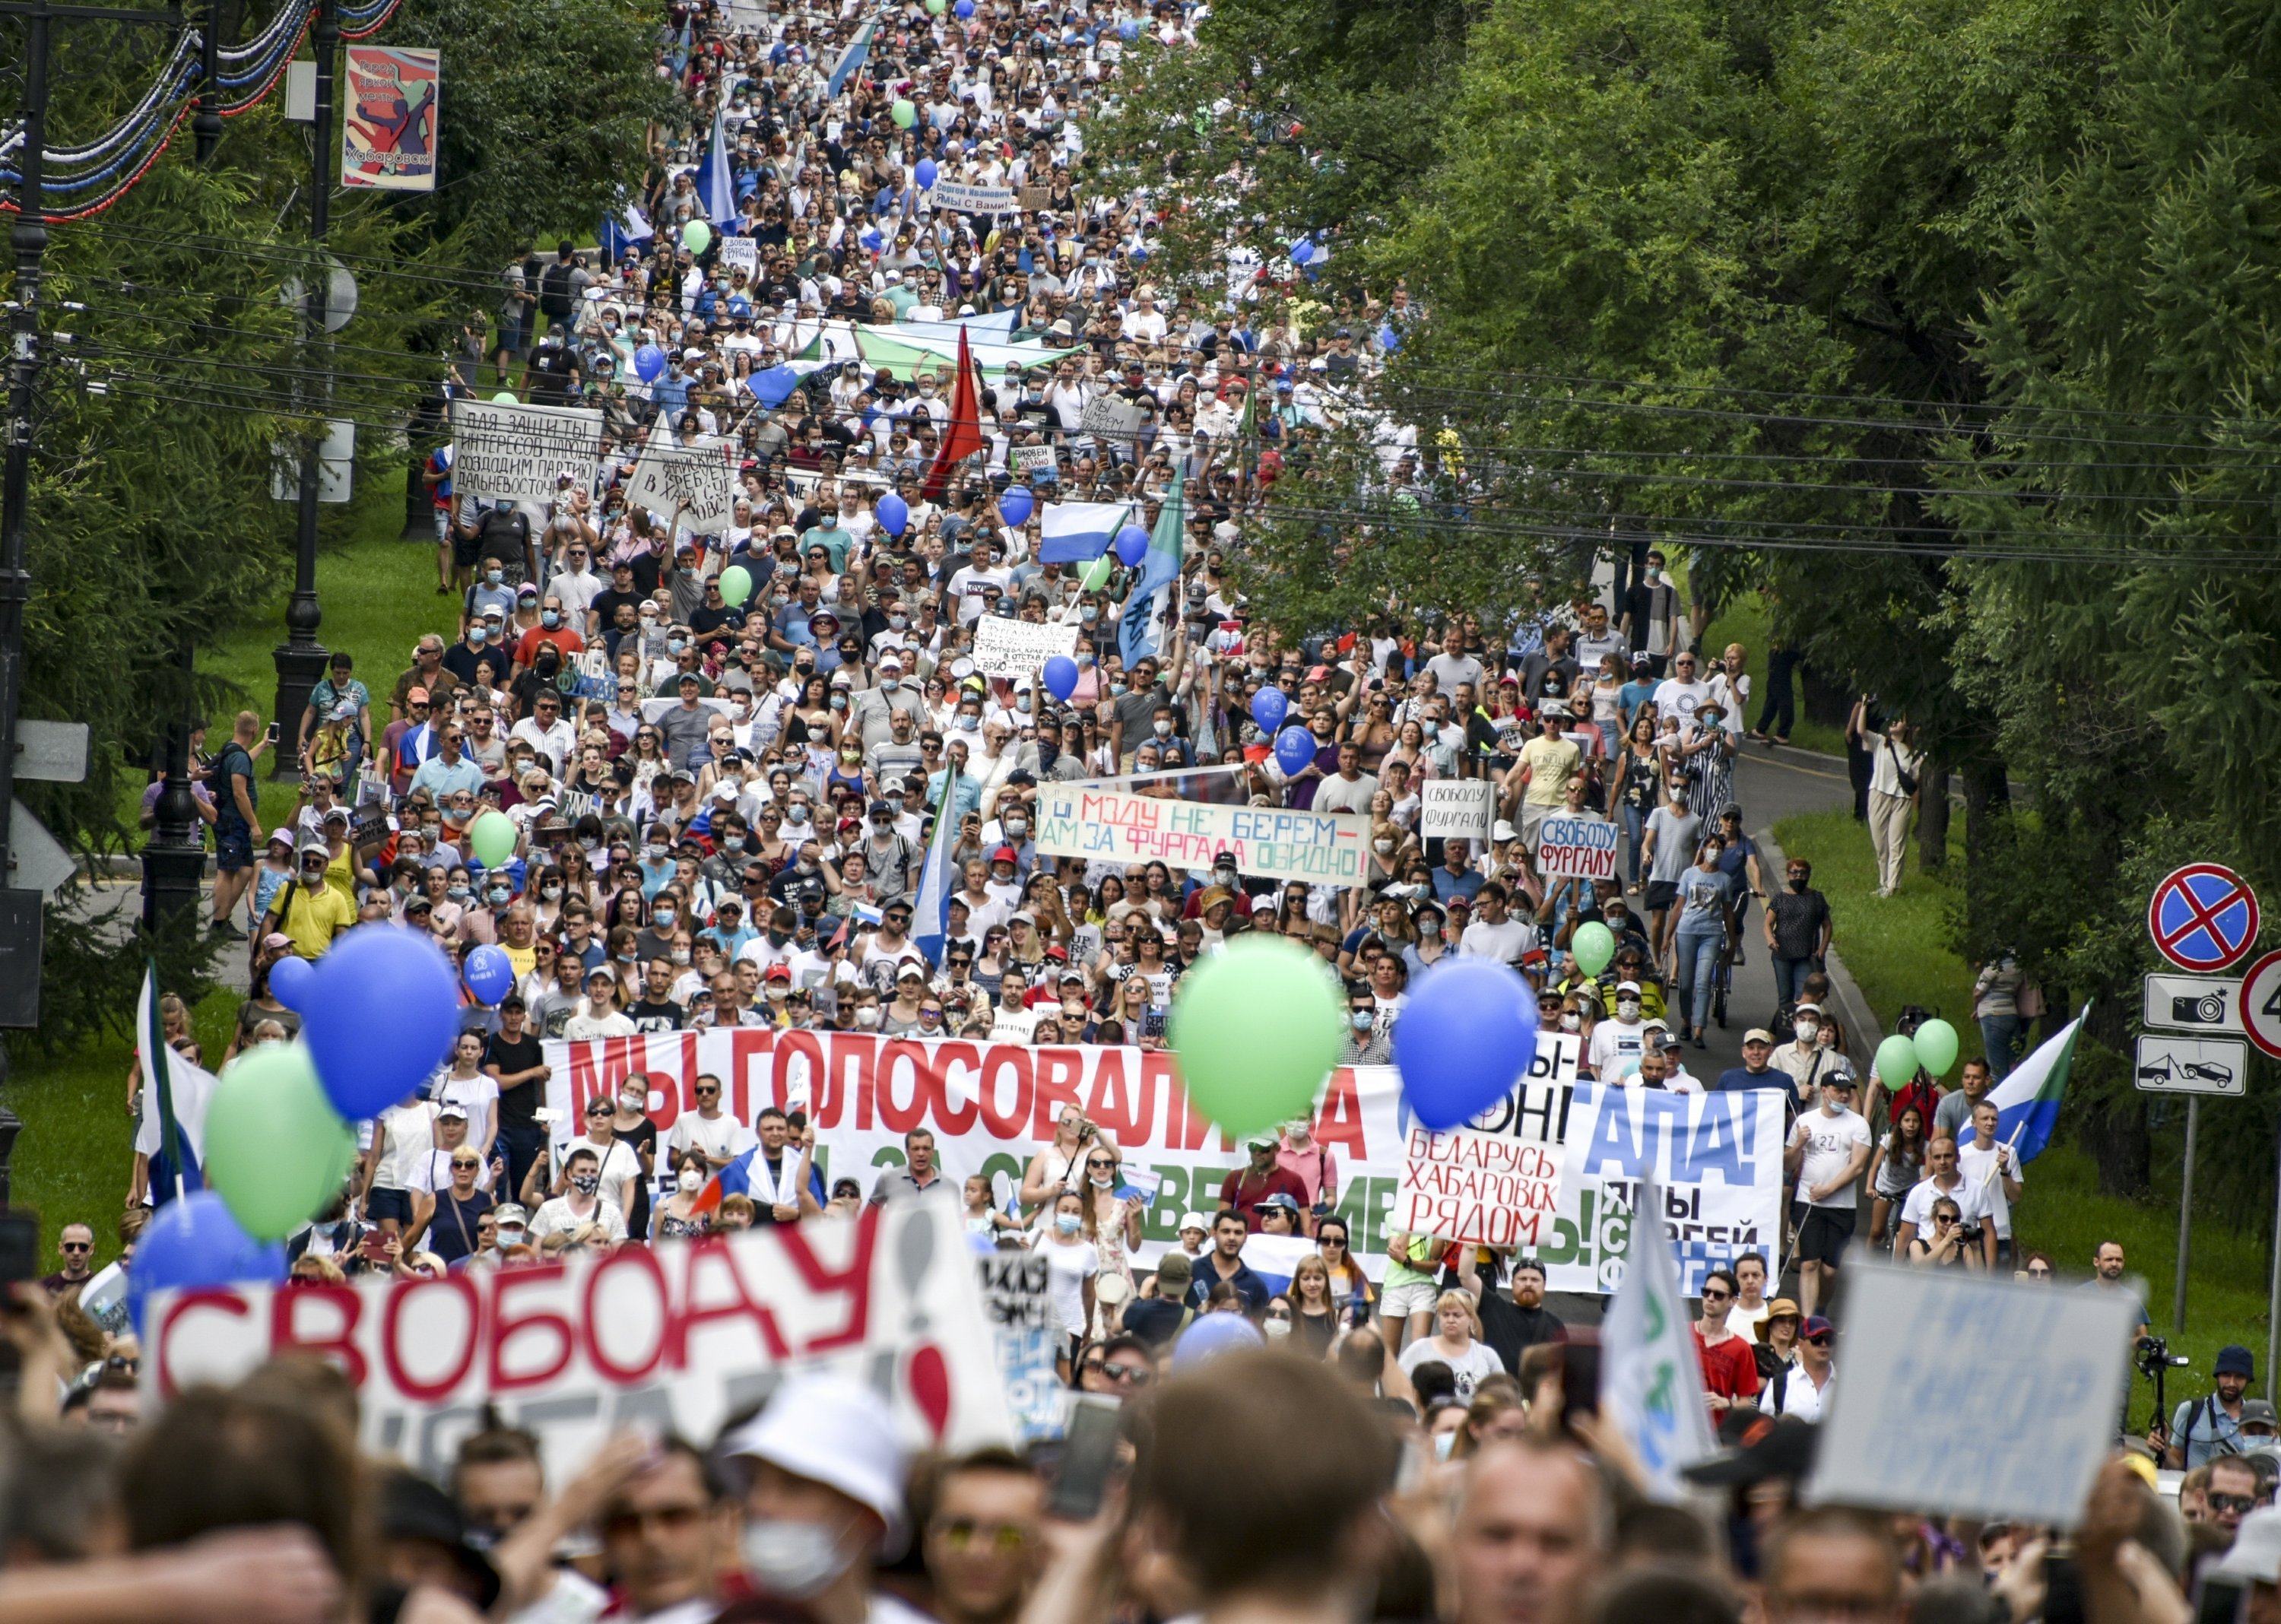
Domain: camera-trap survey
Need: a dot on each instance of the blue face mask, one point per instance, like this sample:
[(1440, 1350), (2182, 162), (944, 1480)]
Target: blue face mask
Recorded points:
[(549, 619), (1361, 1020), (1068, 1223)]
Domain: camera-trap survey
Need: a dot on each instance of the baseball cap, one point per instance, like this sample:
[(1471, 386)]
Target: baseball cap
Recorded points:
[(1758, 1035), (511, 1212), (451, 1107), (1631, 987), (1815, 1325)]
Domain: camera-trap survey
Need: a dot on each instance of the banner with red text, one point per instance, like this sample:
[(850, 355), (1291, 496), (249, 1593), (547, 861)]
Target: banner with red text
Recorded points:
[(678, 1338), (993, 1106), (1494, 1181)]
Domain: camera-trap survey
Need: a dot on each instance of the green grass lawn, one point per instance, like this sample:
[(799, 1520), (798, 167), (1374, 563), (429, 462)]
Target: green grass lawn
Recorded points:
[(1745, 621), (1897, 949), (378, 594)]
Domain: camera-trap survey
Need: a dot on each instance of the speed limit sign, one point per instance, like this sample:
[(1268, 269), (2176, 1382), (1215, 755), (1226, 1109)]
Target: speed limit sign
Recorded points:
[(2261, 1003)]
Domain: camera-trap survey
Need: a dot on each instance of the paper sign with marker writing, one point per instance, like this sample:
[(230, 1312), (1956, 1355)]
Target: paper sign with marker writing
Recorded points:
[(1494, 1181), (1017, 648), (1324, 848), (1577, 849), (1978, 1397), (1455, 808), (700, 474)]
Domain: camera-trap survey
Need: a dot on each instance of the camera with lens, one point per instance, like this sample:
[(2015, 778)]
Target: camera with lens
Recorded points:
[(2153, 1355), (2207, 1009), (1968, 1234)]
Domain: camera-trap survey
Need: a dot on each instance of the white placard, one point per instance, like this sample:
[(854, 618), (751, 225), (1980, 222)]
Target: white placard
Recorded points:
[(1029, 458), (1494, 1181), (1981, 1398), (1089, 820), (501, 449), (702, 473), (741, 253), (970, 199), (1006, 647), (1113, 417), (1577, 849), (1455, 809)]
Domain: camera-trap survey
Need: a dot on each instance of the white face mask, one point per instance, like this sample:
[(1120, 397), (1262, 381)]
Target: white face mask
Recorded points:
[(1570, 1021), (1277, 1328), (692, 1181), (1101, 1181), (1806, 1030), (791, 1559)]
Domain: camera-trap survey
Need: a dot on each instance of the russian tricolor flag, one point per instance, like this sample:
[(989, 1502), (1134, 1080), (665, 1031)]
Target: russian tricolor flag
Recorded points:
[(1078, 532)]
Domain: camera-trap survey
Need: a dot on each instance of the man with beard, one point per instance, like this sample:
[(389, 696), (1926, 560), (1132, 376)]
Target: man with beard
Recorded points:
[(1510, 1327)]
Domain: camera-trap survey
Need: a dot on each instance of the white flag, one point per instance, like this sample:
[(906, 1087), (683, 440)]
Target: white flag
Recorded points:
[(1651, 1377)]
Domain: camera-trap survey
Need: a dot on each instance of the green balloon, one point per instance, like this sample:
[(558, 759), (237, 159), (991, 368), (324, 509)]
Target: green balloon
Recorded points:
[(1257, 1030), (1935, 1045), (735, 584), (1592, 947), (936, 8), (696, 235), (905, 115), (1897, 1061), (275, 1150), (506, 397), (491, 838)]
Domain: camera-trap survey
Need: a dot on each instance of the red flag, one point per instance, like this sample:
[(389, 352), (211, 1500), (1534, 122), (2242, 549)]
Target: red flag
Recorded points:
[(963, 438)]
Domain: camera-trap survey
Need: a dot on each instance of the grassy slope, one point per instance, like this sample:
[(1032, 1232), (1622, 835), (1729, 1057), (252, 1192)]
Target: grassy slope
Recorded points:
[(378, 595), (1744, 622), (1897, 950)]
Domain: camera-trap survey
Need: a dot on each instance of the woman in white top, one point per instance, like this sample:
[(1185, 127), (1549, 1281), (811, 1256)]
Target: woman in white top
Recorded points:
[(1113, 1221), (1071, 1263), (1056, 1167), (578, 1202), (1457, 1343)]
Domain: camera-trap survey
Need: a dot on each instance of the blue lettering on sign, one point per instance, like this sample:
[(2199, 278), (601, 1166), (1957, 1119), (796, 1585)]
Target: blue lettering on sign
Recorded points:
[(1713, 1146), (1630, 1132)]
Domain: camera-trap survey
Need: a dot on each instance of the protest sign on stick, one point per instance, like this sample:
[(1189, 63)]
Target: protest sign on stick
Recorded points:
[(1576, 848), (1455, 809), (703, 473), (1016, 648)]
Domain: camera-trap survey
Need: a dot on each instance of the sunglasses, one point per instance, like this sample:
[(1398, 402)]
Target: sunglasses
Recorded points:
[(457, 1162), (709, 1093), (1820, 1339), (960, 1533), (2232, 1503), (1716, 1293), (79, 1246)]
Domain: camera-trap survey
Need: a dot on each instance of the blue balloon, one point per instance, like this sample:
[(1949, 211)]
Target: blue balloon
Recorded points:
[(290, 978), (1061, 677), (895, 513), (1129, 29), (1268, 708), (649, 362), (1131, 546), (924, 171), (384, 1015), (964, 9), (1294, 748), (1302, 251), (1015, 506), (194, 1242), (489, 973), (1466, 1035), (1212, 1335)]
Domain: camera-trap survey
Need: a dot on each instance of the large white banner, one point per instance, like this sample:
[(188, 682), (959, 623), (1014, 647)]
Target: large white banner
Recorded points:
[(970, 199), (1118, 826), (518, 451), (1006, 647), (1717, 1160), (677, 1337), (702, 473)]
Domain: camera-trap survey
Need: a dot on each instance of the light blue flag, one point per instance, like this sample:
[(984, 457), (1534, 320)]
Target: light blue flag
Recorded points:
[(1138, 632), (931, 909), (716, 186), (851, 60)]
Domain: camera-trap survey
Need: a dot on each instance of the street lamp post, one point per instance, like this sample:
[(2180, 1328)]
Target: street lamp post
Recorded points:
[(301, 658)]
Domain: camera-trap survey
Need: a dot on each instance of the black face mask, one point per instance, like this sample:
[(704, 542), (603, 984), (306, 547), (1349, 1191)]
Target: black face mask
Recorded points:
[(1798, 882)]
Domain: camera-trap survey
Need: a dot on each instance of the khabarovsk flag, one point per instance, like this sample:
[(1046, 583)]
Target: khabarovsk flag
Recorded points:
[(1650, 1383), (1139, 631), (2027, 1101), (931, 909)]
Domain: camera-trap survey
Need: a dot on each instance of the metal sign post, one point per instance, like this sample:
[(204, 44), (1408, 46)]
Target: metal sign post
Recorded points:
[(2186, 1210)]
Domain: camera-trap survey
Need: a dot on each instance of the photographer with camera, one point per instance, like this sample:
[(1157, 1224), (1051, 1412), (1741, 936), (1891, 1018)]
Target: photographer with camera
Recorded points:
[(2207, 1427), (1944, 1182)]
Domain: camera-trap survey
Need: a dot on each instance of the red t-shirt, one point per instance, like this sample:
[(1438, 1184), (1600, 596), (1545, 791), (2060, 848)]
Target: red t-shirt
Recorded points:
[(1730, 1370), (1244, 1193)]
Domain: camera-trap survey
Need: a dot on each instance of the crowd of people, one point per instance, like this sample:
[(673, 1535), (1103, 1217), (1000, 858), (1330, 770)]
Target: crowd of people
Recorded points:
[(722, 816)]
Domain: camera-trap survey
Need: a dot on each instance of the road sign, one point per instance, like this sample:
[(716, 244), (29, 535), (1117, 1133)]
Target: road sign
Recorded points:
[(2166, 1065), (2203, 917), (2261, 1003), (36, 860), (2209, 1004), (51, 752)]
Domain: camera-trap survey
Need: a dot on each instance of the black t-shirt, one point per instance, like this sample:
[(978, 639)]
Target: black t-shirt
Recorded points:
[(659, 1015), (504, 536), (606, 603), (1155, 1321), (234, 762), (518, 1102), (1511, 1330)]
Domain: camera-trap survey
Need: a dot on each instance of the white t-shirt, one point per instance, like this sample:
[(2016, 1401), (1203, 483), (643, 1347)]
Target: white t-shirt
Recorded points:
[(1479, 1360), (480, 1096), (1980, 1169), (1674, 698), (1615, 1048), (620, 1169), (556, 1214), (720, 1138), (1067, 1270), (1504, 943), (432, 1172), (1971, 1203), (1830, 1144), (411, 1131)]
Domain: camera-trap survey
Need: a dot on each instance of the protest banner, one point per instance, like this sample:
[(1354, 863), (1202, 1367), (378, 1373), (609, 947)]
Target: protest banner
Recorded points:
[(1024, 461), (503, 450), (1717, 1162), (970, 199), (1037, 197), (676, 1338), (1942, 1366), (741, 253), (1027, 1335), (1495, 1181), (1651, 1386), (388, 123), (1017, 648), (1090, 821), (703, 473), (992, 1106), (1455, 809), (1112, 417), (1576, 848)]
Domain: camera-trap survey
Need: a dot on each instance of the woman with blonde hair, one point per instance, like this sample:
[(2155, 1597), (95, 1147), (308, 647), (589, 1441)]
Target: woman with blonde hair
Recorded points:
[(1457, 1343), (1314, 1310)]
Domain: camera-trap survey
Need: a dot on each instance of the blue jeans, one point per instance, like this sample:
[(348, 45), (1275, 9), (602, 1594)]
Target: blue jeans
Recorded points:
[(1789, 979), (2000, 1033), (1699, 965), (1635, 832)]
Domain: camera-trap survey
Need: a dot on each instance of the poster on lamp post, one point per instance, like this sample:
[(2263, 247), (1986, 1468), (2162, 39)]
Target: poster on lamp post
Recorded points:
[(388, 129)]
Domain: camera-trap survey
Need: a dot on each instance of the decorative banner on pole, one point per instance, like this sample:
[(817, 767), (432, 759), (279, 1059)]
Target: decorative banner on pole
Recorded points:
[(677, 1338), (1016, 648), (703, 473), (1942, 1366), (502, 450), (1576, 848), (1495, 1181), (1650, 1383), (1323, 849), (957, 199), (388, 132), (1455, 809), (1717, 1162)]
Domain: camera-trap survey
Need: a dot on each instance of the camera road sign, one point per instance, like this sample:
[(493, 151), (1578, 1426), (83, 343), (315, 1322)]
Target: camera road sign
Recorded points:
[(2210, 1004), (2166, 1065)]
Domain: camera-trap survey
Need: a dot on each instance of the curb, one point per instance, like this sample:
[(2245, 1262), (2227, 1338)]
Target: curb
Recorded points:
[(1853, 1008)]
